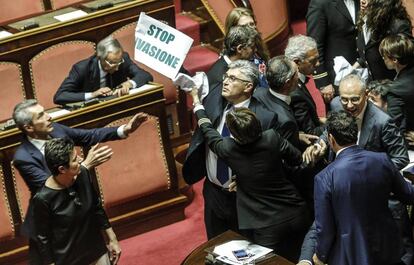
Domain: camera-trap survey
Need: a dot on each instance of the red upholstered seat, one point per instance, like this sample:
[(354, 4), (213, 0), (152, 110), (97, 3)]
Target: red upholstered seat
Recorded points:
[(126, 36), (189, 27), (132, 172), (22, 192), (6, 220), (200, 59), (56, 4), (218, 10), (50, 67), (12, 90), (11, 10)]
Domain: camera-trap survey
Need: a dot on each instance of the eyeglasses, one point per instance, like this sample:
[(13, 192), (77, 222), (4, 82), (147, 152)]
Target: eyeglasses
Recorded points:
[(233, 79), (354, 100), (115, 64)]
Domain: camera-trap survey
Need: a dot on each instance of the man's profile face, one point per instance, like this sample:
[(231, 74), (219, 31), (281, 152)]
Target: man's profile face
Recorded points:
[(376, 99), (352, 97), (389, 62), (235, 85), (309, 64), (111, 63), (41, 125)]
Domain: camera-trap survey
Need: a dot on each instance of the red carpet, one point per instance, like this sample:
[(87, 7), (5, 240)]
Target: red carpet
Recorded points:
[(168, 245)]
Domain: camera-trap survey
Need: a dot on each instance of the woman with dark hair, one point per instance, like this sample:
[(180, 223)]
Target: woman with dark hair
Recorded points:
[(378, 19), (270, 210), (68, 214), (240, 16)]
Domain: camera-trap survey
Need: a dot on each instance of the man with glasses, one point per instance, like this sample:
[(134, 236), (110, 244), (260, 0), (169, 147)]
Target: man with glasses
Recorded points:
[(110, 72), (376, 132), (239, 81), (239, 44)]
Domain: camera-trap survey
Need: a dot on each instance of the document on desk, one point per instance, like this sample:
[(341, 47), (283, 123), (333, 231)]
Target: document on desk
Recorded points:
[(225, 251), (4, 34), (70, 15), (141, 89), (58, 113)]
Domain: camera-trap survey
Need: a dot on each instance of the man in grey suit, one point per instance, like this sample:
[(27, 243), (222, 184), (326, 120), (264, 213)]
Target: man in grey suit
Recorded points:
[(376, 132)]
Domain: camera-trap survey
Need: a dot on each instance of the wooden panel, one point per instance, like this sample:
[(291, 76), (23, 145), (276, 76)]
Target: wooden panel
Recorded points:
[(6, 221), (19, 8)]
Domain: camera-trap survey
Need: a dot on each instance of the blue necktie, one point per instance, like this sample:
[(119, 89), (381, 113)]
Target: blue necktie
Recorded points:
[(222, 168)]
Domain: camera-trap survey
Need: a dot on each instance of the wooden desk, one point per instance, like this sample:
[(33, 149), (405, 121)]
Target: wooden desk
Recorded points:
[(197, 256)]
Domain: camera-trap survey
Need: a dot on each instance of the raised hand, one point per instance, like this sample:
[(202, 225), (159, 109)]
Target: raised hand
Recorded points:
[(135, 122), (97, 155)]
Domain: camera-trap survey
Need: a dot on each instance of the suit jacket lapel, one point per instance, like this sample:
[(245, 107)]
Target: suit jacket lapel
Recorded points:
[(34, 152), (95, 74), (366, 125), (340, 5)]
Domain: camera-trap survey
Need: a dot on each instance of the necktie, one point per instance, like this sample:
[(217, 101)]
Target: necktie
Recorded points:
[(222, 168)]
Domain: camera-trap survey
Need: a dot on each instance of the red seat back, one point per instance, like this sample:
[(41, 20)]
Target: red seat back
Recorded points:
[(12, 91)]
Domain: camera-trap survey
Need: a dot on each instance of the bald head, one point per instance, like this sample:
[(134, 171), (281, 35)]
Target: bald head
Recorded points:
[(352, 94)]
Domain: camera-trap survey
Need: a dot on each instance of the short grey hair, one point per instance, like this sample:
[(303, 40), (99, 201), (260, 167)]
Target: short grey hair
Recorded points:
[(298, 46), (239, 35), (248, 69), (279, 71), (107, 45), (355, 78), (21, 115)]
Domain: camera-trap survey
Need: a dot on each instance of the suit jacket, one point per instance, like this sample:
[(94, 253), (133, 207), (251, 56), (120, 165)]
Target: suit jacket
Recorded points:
[(304, 109), (265, 196), (400, 99), (369, 55), (85, 77), (194, 168), (379, 133), (347, 233), (216, 72), (330, 24), (288, 127), (31, 163)]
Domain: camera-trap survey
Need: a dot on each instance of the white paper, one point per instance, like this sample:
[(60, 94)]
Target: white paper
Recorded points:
[(59, 113), (343, 68), (225, 251), (159, 46), (141, 89), (186, 83), (4, 34), (71, 15)]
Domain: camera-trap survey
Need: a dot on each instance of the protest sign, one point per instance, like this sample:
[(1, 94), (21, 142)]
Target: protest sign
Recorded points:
[(160, 46)]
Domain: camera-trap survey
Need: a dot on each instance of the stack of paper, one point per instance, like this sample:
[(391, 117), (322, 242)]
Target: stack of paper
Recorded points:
[(224, 252)]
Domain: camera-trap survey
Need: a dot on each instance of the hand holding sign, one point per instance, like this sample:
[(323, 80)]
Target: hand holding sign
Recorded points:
[(160, 46)]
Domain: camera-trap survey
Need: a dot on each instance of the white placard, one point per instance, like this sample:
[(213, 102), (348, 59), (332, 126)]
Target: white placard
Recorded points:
[(160, 46), (71, 15)]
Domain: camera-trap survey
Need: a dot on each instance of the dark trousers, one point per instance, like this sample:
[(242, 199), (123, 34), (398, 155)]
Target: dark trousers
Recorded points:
[(285, 238), (34, 254), (400, 215), (220, 212)]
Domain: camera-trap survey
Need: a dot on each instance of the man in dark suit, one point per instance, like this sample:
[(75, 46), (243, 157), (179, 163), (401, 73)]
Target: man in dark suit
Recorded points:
[(236, 91), (239, 44), (37, 128), (282, 76), (109, 72), (332, 24), (353, 223), (377, 132), (398, 54), (303, 51)]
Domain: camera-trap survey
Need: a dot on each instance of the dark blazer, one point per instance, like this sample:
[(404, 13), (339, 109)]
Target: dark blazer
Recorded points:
[(353, 223), (400, 99), (194, 168), (31, 163), (216, 72), (265, 196), (85, 77), (288, 127), (379, 133), (331, 25), (369, 55), (304, 109)]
